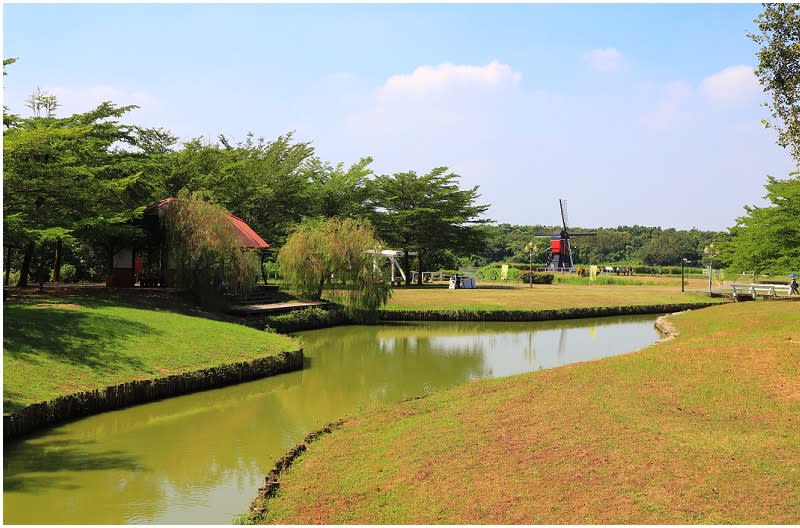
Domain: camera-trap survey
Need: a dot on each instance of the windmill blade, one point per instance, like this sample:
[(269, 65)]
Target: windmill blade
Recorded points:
[(564, 217), (585, 233)]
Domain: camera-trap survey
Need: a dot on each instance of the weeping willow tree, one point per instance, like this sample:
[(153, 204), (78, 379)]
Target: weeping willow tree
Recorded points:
[(206, 250), (331, 255)]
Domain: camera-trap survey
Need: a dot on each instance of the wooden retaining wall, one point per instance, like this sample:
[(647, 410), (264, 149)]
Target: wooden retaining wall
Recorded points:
[(258, 507), (81, 404)]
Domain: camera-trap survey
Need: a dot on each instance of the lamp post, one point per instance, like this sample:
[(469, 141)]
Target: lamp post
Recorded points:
[(683, 282), (530, 248), (709, 252)]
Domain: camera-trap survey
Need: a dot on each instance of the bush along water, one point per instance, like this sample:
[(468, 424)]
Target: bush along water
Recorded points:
[(306, 319)]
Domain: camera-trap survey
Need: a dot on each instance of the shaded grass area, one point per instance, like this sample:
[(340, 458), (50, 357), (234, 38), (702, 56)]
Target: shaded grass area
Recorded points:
[(704, 428), (57, 344), (542, 297)]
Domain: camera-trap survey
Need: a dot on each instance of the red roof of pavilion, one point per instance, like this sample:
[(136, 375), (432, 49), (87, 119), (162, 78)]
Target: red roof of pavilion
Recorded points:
[(247, 237)]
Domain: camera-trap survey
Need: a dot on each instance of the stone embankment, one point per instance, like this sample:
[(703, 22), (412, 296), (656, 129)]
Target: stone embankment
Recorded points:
[(258, 507), (87, 403), (665, 327)]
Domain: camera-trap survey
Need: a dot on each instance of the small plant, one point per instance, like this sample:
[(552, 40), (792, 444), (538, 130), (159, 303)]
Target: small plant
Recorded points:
[(536, 277), (69, 273), (305, 319)]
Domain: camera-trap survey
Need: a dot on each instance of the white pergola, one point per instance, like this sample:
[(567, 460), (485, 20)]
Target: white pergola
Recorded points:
[(392, 255)]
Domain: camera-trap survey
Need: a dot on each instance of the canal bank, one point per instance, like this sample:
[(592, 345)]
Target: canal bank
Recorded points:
[(699, 429), (87, 403), (316, 318), (200, 458)]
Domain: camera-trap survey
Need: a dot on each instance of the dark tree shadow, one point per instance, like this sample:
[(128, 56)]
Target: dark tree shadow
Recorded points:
[(28, 466), (68, 335)]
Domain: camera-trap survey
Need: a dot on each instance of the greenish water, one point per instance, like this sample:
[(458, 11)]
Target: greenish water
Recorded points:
[(199, 459)]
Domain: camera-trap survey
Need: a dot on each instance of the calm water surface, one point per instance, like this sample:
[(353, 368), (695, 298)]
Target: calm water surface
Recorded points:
[(199, 459)]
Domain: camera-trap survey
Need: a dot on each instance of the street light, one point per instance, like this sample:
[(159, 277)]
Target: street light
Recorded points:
[(709, 252), (530, 248), (683, 282)]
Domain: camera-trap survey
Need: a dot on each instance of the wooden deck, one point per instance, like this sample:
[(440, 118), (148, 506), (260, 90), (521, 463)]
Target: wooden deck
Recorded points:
[(272, 308)]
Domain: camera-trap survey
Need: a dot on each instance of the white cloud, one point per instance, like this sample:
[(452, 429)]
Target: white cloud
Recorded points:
[(666, 115), (670, 111), (342, 76), (604, 60), (677, 89), (732, 85), (434, 81)]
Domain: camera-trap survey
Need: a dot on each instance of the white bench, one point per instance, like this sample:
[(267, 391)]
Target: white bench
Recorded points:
[(765, 290)]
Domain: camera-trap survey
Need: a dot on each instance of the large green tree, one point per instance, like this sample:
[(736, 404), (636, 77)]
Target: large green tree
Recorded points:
[(779, 70), (336, 191), (63, 176), (768, 238), (260, 181), (426, 213)]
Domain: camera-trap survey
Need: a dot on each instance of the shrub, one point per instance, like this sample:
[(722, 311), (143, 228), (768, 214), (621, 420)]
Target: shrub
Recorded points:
[(536, 277), (492, 272), (69, 273), (13, 277), (305, 319)]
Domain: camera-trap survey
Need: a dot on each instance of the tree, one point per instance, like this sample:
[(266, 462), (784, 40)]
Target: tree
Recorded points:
[(64, 175), (205, 249), (779, 70), (42, 101), (768, 238), (669, 247), (333, 253), (8, 118), (426, 213), (334, 191)]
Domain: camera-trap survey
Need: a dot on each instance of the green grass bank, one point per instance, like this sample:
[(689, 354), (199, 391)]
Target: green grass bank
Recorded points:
[(68, 344), (703, 428)]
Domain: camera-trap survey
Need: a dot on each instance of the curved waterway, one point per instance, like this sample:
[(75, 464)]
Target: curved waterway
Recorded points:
[(199, 459)]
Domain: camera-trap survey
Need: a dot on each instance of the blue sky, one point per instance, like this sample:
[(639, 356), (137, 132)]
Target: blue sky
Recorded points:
[(636, 114)]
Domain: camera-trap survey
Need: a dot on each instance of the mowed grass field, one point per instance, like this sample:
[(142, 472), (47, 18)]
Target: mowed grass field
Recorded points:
[(66, 344), (703, 428), (490, 296)]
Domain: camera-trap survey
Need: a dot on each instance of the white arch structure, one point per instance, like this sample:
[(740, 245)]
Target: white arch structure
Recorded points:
[(392, 255)]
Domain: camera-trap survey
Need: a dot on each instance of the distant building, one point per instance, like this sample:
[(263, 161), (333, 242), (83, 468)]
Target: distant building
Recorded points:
[(148, 264)]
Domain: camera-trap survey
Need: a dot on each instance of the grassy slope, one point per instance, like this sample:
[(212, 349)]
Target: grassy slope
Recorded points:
[(704, 428), (87, 343), (540, 297)]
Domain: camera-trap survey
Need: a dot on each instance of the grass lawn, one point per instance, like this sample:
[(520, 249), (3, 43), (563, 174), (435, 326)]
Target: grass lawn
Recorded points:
[(546, 296), (62, 344), (704, 428)]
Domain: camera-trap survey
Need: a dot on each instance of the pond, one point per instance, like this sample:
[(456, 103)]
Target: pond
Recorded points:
[(199, 459)]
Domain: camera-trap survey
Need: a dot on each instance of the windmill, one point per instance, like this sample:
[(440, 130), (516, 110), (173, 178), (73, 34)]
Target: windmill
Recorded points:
[(560, 252)]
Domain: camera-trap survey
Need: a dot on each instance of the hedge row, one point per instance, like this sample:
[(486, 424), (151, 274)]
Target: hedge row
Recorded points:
[(542, 315), (305, 319), (518, 271), (536, 277)]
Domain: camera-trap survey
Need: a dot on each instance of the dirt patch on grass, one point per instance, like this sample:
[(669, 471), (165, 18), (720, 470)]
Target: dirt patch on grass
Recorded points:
[(58, 306)]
